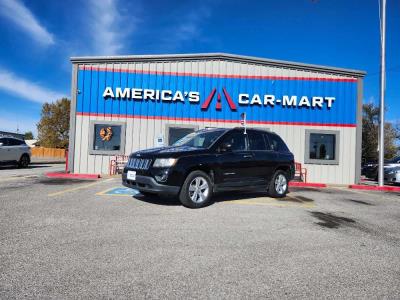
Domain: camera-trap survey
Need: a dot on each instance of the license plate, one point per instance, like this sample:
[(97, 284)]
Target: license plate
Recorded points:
[(131, 175)]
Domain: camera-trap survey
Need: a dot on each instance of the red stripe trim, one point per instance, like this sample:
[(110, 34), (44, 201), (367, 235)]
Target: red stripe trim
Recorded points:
[(92, 68), (210, 120)]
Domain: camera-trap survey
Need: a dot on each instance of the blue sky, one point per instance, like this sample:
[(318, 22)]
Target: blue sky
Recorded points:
[(39, 36)]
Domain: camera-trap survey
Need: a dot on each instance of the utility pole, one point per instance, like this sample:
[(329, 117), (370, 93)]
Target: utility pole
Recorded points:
[(381, 141)]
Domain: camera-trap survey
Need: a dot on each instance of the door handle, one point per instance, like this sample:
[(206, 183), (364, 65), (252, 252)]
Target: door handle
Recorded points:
[(247, 155)]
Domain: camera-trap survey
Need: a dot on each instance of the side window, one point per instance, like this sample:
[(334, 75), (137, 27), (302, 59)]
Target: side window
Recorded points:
[(277, 144), (267, 142), (256, 141), (237, 140), (6, 142), (14, 142), (3, 141)]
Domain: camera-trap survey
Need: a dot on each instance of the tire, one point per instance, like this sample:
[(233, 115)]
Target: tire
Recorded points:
[(278, 186), (196, 191), (24, 161)]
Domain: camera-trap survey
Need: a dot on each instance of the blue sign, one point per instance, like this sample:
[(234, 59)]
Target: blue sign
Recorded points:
[(122, 191), (191, 97)]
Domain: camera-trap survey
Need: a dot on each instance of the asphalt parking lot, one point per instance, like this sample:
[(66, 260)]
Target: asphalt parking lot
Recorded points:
[(93, 239)]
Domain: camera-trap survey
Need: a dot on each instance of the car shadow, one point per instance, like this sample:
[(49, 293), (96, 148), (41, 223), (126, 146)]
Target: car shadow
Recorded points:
[(155, 199), (220, 197)]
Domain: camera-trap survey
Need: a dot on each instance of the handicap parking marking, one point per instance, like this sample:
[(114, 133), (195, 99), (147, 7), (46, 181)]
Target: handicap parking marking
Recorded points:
[(119, 191)]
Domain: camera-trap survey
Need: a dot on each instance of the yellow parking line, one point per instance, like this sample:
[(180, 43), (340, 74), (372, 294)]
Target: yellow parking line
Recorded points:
[(363, 192), (13, 178), (103, 193), (245, 202), (78, 188), (271, 202)]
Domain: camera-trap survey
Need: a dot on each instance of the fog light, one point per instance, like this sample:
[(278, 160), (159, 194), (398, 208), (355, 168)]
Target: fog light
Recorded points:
[(162, 177)]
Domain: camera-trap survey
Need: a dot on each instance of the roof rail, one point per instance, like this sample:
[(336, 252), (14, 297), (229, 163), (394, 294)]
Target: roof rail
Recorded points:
[(10, 136)]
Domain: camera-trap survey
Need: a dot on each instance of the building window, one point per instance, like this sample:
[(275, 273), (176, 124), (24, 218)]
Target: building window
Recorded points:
[(322, 147), (107, 138), (175, 132)]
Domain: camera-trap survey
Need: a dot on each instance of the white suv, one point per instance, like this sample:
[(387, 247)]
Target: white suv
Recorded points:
[(14, 151)]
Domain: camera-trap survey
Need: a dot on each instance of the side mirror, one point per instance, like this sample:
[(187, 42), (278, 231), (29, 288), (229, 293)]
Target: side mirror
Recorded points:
[(225, 147)]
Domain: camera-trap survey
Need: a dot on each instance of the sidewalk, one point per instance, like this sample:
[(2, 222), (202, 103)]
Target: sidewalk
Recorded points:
[(47, 160)]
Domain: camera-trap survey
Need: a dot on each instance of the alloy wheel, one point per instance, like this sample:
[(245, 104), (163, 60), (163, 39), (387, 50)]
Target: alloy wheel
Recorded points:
[(280, 184), (198, 189)]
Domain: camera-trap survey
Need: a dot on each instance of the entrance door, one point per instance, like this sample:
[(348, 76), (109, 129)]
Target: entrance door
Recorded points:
[(176, 133)]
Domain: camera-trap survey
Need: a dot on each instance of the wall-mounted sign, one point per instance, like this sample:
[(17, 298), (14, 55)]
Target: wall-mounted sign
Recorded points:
[(218, 98), (159, 141), (106, 133), (271, 100)]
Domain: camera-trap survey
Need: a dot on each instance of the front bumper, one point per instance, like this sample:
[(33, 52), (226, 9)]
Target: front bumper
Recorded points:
[(149, 184), (392, 178)]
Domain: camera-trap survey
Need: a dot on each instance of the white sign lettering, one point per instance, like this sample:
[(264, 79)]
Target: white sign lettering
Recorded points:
[(266, 100)]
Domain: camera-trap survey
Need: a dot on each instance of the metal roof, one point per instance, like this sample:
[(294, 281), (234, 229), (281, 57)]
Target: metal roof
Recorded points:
[(217, 56)]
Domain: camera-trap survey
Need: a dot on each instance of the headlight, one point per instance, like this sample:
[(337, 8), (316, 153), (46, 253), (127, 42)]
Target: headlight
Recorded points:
[(164, 162)]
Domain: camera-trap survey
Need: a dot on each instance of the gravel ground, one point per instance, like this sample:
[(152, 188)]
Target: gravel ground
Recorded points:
[(69, 239)]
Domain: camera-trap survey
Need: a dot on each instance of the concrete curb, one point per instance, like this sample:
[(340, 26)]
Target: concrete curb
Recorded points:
[(384, 188), (307, 184), (72, 176)]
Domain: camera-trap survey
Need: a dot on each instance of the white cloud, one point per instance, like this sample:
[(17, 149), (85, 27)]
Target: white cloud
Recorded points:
[(109, 27), (16, 12), (27, 90)]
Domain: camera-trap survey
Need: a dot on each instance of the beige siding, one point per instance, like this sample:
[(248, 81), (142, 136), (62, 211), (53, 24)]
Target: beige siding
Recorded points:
[(294, 136)]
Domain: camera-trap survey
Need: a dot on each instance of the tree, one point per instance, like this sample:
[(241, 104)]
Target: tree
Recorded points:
[(53, 128), (28, 135), (370, 124)]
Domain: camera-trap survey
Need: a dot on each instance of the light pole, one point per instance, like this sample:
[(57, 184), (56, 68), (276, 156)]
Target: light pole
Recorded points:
[(382, 96)]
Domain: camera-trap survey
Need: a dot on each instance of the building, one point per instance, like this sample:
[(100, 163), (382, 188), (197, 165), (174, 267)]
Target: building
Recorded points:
[(121, 104)]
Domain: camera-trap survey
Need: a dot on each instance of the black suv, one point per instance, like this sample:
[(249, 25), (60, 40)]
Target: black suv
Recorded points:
[(212, 160)]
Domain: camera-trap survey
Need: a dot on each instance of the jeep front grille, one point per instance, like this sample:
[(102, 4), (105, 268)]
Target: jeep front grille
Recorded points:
[(138, 163)]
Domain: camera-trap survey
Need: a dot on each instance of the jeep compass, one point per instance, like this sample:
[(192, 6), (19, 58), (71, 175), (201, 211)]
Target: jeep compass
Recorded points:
[(210, 161)]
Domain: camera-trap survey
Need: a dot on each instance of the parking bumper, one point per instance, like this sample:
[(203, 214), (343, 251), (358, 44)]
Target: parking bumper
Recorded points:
[(149, 184)]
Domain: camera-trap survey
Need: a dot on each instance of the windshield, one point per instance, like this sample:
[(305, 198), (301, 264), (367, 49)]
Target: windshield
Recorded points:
[(200, 139), (395, 160)]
